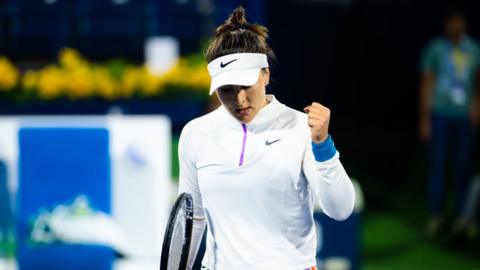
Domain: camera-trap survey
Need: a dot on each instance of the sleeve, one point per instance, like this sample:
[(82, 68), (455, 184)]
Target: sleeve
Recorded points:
[(428, 59), (328, 179), (188, 183)]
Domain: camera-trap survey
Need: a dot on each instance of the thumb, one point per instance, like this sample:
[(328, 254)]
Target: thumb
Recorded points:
[(306, 109)]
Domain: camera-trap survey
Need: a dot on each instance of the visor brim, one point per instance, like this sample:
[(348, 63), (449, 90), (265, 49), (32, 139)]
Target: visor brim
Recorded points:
[(244, 77)]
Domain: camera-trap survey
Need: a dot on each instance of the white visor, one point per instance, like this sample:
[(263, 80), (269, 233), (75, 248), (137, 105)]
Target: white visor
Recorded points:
[(236, 69)]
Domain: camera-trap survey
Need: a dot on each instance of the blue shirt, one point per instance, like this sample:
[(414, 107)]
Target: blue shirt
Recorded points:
[(454, 68)]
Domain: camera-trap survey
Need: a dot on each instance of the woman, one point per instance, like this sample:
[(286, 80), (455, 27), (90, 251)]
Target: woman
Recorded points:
[(255, 166)]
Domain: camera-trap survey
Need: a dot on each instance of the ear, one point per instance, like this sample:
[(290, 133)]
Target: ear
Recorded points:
[(267, 76)]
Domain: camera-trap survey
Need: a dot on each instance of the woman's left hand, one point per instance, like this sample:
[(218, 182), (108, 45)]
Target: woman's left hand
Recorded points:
[(318, 121)]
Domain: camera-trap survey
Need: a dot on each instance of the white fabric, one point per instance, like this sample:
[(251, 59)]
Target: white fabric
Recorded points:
[(260, 214), (236, 69)]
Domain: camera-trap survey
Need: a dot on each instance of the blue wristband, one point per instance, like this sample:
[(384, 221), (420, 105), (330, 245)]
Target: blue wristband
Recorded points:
[(325, 150)]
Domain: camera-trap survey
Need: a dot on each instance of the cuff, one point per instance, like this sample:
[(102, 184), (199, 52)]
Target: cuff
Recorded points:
[(325, 150)]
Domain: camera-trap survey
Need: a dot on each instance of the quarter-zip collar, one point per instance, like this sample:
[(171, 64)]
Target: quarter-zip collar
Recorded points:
[(261, 121), (264, 118)]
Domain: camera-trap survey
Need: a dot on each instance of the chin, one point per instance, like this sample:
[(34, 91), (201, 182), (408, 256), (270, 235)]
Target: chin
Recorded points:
[(246, 119), (243, 119)]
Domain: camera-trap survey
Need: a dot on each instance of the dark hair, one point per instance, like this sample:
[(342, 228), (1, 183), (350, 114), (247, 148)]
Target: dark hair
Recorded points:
[(237, 35), (454, 11)]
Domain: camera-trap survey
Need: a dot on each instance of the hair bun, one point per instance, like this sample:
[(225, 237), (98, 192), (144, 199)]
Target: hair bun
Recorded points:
[(235, 21), (237, 35), (237, 17)]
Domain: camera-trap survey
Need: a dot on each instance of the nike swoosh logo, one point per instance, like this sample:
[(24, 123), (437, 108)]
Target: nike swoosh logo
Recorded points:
[(222, 65), (272, 142)]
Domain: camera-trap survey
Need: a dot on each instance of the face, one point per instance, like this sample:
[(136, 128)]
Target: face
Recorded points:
[(244, 102), (455, 26)]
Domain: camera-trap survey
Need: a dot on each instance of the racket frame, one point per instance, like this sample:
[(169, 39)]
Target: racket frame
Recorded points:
[(182, 199)]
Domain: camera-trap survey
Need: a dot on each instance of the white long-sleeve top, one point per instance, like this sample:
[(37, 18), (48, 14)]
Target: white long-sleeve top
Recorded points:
[(255, 185)]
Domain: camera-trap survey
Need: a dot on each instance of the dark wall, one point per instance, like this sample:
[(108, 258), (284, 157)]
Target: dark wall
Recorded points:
[(362, 62)]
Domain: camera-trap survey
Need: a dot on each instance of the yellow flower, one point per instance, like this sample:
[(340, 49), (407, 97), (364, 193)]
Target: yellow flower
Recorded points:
[(51, 82), (189, 76), (176, 76), (104, 83), (77, 78), (151, 84), (71, 59), (79, 83), (130, 81), (199, 79), (9, 74), (30, 80)]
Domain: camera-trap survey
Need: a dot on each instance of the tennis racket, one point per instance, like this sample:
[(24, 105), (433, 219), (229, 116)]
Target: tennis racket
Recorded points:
[(176, 242)]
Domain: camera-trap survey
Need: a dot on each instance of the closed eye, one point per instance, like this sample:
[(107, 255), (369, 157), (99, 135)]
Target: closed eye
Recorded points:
[(231, 88)]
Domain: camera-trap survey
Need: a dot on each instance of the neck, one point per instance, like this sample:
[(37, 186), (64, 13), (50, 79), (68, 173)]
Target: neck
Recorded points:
[(455, 39), (265, 101)]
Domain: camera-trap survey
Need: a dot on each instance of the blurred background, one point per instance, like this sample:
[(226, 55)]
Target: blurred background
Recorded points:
[(118, 79)]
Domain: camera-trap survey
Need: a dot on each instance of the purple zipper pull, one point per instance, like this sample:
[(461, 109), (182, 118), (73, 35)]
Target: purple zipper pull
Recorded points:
[(243, 144)]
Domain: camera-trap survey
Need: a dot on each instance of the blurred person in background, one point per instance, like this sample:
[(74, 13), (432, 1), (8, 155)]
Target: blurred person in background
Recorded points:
[(449, 114)]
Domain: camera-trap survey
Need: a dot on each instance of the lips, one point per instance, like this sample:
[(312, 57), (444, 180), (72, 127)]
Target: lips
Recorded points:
[(243, 111)]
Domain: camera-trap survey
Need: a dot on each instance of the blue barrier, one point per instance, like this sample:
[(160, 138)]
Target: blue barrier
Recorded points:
[(55, 166), (339, 239)]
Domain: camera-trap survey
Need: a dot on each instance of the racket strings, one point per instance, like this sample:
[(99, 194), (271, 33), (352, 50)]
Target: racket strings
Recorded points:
[(178, 239), (176, 242)]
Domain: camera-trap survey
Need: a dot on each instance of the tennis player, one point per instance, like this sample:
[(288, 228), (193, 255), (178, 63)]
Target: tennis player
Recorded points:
[(255, 166)]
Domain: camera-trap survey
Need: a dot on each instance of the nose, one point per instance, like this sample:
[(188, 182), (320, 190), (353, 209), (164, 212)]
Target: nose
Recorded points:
[(241, 97)]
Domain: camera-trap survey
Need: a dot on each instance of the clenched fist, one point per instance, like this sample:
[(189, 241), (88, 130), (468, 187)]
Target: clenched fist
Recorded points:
[(318, 120)]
